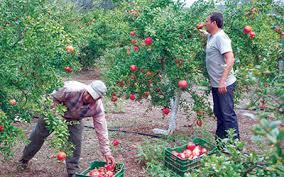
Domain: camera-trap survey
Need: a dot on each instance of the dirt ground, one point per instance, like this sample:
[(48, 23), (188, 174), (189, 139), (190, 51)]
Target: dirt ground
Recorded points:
[(132, 118)]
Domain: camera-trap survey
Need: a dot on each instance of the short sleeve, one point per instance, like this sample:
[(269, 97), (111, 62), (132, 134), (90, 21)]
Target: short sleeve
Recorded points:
[(223, 44)]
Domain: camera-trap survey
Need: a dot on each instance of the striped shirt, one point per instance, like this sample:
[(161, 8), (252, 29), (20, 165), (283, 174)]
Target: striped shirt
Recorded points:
[(71, 95)]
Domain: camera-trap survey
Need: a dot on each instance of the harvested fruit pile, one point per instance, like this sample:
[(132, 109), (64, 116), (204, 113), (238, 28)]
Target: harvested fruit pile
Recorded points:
[(107, 171), (192, 152)]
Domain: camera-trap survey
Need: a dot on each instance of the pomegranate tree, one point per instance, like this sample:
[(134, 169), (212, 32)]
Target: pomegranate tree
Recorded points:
[(36, 52), (162, 60), (171, 55)]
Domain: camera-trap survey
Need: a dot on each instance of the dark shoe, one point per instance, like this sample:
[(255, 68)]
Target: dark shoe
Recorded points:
[(22, 164)]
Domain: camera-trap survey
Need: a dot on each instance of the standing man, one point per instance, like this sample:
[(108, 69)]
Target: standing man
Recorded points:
[(81, 101), (219, 63)]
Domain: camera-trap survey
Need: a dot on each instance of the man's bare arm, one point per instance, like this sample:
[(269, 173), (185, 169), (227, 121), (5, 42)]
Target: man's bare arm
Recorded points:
[(230, 60)]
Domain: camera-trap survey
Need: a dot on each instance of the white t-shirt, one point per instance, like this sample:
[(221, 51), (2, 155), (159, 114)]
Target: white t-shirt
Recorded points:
[(217, 45)]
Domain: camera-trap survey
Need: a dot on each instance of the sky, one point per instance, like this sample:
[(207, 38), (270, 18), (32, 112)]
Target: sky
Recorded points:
[(189, 2)]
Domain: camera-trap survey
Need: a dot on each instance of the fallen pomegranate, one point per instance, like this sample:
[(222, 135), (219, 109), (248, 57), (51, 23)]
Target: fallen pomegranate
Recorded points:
[(115, 142), (166, 111), (132, 97), (61, 156), (182, 84)]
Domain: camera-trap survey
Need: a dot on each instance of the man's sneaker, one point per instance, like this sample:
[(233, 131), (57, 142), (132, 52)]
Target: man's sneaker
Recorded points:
[(22, 164)]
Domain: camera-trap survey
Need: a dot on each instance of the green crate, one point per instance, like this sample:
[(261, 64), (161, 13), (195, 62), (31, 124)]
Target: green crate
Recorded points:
[(179, 171), (97, 164), (182, 166)]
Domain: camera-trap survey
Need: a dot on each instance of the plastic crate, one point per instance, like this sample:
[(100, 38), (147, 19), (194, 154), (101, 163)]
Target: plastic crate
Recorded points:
[(97, 164), (182, 166)]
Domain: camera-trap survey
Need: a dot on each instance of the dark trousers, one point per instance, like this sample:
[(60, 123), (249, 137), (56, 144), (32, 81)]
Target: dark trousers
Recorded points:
[(224, 111), (40, 133)]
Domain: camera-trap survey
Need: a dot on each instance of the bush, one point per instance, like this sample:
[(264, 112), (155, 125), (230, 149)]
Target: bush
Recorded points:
[(33, 38)]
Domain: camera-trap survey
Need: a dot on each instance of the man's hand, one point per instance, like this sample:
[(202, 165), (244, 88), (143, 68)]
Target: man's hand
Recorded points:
[(54, 104), (222, 89), (109, 159), (204, 33)]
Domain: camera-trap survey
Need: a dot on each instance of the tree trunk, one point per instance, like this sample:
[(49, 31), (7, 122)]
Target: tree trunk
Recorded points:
[(172, 120)]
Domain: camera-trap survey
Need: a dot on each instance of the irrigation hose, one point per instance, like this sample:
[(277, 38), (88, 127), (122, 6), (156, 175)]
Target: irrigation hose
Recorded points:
[(130, 132)]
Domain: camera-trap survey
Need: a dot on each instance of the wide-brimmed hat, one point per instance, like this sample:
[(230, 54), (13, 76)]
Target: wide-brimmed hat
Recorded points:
[(96, 89)]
